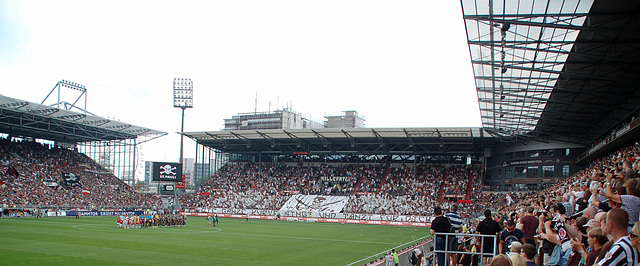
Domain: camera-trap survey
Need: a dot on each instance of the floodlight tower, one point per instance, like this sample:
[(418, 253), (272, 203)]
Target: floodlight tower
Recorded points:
[(183, 99), (72, 86)]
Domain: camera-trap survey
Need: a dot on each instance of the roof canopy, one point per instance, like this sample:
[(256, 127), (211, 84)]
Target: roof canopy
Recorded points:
[(354, 140), (554, 69), (27, 119)]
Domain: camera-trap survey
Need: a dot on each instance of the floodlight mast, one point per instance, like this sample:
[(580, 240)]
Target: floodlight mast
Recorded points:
[(66, 105), (183, 99)]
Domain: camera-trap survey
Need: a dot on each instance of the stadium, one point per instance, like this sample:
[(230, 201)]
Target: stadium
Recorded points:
[(560, 108)]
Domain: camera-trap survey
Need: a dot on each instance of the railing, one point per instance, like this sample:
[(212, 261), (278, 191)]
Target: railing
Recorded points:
[(448, 237)]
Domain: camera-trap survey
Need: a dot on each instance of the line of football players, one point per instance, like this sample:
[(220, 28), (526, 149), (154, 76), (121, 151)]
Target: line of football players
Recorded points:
[(142, 221)]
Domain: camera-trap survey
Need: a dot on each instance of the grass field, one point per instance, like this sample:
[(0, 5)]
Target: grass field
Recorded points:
[(98, 241)]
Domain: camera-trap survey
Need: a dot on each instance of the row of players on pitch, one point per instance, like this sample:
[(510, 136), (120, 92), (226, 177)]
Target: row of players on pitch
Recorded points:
[(141, 221)]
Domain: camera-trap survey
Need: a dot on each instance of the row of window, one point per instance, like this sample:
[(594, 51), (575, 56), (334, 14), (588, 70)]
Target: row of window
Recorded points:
[(536, 154), (534, 171)]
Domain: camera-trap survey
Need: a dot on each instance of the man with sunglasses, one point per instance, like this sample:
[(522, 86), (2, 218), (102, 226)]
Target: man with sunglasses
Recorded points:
[(621, 252), (509, 235)]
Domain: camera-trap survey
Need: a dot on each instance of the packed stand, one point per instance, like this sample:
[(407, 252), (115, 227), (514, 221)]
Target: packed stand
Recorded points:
[(33, 177), (372, 188), (589, 218)]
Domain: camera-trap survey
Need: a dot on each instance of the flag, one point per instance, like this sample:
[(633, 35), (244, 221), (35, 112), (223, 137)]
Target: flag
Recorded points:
[(70, 180), (509, 200), (86, 192), (50, 182), (12, 171)]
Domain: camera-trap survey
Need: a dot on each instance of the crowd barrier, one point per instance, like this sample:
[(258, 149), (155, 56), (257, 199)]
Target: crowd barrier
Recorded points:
[(446, 237), (404, 255)]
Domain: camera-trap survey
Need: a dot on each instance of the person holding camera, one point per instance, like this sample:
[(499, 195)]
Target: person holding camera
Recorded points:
[(557, 233), (629, 202)]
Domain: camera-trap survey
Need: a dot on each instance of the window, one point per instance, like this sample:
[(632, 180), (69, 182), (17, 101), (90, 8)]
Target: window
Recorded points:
[(532, 171), (565, 170), (508, 171)]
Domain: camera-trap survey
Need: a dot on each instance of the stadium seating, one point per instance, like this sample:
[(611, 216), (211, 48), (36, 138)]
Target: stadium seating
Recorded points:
[(38, 180), (31, 175)]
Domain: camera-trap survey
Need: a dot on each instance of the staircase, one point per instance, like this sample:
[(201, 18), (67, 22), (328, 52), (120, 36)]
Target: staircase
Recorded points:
[(385, 176), (467, 196)]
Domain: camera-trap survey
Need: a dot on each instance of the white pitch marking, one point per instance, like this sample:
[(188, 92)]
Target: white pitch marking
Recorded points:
[(378, 254)]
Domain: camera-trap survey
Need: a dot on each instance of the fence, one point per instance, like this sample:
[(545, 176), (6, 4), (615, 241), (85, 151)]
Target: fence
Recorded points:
[(404, 255), (468, 241)]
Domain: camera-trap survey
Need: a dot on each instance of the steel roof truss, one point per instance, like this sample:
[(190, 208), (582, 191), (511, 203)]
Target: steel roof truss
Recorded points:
[(351, 139), (321, 137), (380, 139), (267, 137), (243, 138), (292, 136)]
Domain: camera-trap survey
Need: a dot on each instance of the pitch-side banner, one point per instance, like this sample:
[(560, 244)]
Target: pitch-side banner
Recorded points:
[(241, 213), (165, 171), (92, 213), (311, 219), (315, 203)]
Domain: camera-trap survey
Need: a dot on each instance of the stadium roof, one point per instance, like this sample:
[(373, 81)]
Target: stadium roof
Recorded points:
[(27, 119), (554, 69), (343, 141)]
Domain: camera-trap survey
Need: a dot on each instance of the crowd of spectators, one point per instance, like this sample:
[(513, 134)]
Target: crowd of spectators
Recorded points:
[(372, 188), (576, 214), (38, 182), (586, 219)]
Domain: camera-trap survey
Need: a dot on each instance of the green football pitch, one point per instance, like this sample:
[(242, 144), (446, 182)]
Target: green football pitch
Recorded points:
[(98, 241)]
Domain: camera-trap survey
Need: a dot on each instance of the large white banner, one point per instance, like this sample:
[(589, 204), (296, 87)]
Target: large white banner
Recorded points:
[(307, 214), (315, 203)]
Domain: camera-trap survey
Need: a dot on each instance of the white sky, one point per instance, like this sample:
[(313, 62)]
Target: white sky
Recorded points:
[(398, 63)]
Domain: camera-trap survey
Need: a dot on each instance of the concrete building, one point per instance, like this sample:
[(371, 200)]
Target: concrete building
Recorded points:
[(278, 119), (350, 119)]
